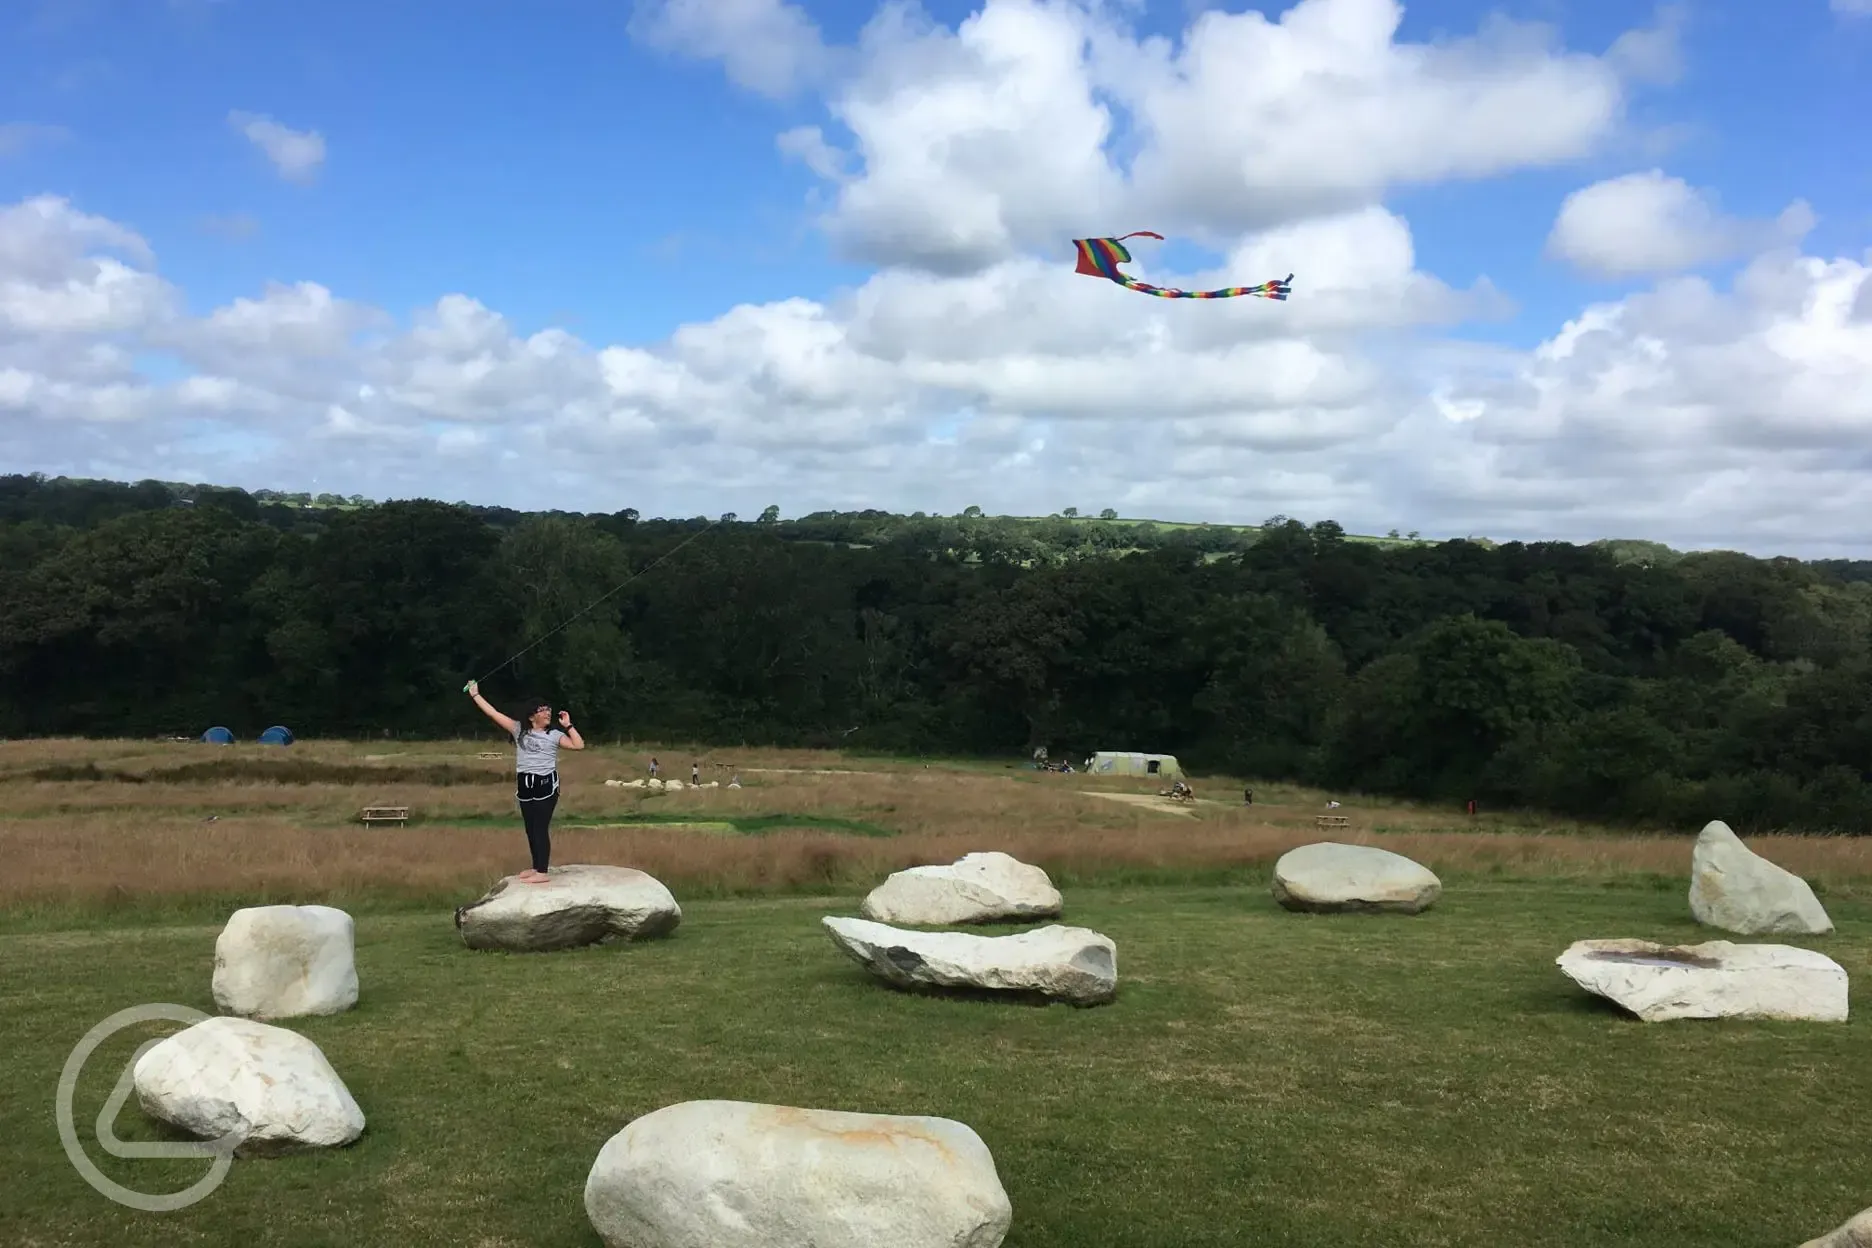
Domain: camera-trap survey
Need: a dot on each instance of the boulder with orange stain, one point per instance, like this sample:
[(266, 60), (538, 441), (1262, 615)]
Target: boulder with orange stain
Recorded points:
[(732, 1174)]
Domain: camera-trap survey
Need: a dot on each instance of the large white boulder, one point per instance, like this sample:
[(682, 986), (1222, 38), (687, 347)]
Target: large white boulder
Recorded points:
[(1331, 877), (1856, 1232), (975, 888), (270, 1087), (1069, 964), (729, 1174), (576, 905), (1716, 979), (1736, 889), (286, 961)]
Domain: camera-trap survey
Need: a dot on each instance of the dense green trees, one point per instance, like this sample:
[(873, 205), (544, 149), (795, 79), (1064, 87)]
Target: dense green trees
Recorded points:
[(1620, 680)]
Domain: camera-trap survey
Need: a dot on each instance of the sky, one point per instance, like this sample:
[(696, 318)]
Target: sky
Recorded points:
[(1562, 269)]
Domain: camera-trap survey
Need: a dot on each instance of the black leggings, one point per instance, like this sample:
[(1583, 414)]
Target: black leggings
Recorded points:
[(538, 795)]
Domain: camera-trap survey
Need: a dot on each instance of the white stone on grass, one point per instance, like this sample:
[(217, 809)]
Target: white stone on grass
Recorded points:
[(976, 888), (1330, 877), (729, 1174), (270, 1087), (286, 961), (577, 905), (1856, 1232), (1716, 979), (1736, 889), (1069, 964)]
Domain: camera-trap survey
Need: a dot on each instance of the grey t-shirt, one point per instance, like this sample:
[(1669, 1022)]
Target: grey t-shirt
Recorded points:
[(537, 753)]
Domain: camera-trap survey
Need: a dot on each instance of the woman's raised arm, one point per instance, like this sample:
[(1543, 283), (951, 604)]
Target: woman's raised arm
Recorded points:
[(572, 739), (507, 725)]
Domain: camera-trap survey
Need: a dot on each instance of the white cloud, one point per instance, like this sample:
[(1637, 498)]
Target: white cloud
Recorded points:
[(52, 399), (1862, 305), (462, 362), (1255, 121), (55, 278), (44, 236), (1649, 223), (303, 319), (284, 344), (767, 46), (296, 154), (1040, 120), (974, 142), (807, 144), (1853, 8), (1654, 55), (1687, 413)]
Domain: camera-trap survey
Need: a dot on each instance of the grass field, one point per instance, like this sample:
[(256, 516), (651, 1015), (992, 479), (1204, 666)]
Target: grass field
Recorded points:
[(1263, 1078)]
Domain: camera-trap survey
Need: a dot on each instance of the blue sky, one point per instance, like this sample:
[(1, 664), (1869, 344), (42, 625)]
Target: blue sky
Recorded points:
[(544, 161), (530, 154), (537, 157)]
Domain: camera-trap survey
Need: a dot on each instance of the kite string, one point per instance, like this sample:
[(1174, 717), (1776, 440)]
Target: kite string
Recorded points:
[(627, 580)]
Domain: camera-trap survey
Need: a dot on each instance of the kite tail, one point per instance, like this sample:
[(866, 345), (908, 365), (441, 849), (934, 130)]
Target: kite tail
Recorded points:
[(1275, 288)]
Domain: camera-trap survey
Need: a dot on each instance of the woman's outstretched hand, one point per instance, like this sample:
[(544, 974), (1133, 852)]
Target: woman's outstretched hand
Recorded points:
[(572, 739), (474, 688)]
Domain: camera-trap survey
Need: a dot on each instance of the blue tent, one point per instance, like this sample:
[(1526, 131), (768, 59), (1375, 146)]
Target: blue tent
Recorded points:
[(277, 735), (218, 736)]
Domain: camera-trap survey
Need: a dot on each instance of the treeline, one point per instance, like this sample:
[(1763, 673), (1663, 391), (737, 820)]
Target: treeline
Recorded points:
[(1618, 681)]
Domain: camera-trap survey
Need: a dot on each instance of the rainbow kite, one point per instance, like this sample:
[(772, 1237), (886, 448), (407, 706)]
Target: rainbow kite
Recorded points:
[(1100, 257)]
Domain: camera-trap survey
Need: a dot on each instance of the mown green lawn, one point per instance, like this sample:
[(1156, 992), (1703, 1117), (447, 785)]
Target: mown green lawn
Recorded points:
[(1263, 1079)]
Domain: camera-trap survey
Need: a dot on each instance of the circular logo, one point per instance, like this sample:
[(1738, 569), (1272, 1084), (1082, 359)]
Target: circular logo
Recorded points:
[(222, 1149)]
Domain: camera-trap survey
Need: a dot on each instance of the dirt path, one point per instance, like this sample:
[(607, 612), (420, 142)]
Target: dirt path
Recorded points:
[(1150, 801)]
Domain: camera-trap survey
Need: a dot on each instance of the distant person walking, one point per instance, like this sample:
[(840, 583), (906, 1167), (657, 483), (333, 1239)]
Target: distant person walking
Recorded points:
[(536, 771), (695, 774)]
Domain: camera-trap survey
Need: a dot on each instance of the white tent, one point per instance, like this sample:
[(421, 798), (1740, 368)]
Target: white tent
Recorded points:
[(1126, 763)]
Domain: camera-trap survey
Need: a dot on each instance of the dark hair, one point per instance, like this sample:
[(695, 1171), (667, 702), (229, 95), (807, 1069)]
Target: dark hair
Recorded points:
[(524, 718)]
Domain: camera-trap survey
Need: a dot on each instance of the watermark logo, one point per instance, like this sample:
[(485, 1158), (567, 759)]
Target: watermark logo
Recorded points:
[(221, 1150)]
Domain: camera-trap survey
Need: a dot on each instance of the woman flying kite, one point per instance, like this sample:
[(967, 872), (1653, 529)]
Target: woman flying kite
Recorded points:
[(1100, 257)]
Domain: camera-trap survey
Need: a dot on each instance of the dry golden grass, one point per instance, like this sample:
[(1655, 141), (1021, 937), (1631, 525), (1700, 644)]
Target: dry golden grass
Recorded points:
[(114, 842)]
